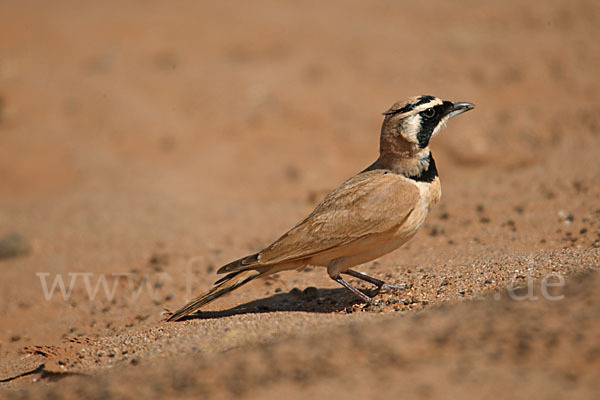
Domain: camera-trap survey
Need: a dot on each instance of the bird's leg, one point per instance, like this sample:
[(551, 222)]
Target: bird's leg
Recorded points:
[(381, 285), (364, 277), (354, 290)]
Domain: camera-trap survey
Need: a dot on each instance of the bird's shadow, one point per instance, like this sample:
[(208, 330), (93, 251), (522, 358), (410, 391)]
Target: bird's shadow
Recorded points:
[(310, 300)]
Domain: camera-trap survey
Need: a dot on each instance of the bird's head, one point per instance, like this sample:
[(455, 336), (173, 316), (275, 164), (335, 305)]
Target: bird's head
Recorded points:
[(410, 124)]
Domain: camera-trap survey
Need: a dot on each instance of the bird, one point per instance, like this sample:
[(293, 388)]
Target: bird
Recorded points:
[(369, 215)]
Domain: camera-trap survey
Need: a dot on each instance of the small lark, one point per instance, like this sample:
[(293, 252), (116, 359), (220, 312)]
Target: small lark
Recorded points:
[(369, 215)]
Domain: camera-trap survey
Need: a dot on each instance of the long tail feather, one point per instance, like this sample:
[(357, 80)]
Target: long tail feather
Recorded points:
[(242, 263), (224, 286)]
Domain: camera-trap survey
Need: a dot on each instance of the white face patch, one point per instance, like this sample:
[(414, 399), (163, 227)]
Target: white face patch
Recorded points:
[(410, 127), (410, 121)]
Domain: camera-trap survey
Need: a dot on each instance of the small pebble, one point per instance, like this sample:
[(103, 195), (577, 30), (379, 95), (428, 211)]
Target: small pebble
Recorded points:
[(14, 245), (519, 209)]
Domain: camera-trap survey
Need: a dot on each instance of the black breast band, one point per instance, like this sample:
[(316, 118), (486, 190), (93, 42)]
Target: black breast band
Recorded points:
[(429, 174)]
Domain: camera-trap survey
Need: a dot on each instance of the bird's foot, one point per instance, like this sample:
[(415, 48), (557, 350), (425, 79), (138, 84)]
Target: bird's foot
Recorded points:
[(387, 287)]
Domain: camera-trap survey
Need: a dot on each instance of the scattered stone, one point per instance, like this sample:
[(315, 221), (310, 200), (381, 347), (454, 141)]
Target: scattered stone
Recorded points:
[(311, 291), (158, 261), (519, 209), (14, 245), (434, 231), (292, 173), (567, 218), (511, 225)]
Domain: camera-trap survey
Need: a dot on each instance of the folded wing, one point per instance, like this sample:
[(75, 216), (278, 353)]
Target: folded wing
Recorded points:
[(369, 203)]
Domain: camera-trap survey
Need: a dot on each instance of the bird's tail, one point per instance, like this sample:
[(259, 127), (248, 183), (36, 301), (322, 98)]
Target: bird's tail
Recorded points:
[(223, 286)]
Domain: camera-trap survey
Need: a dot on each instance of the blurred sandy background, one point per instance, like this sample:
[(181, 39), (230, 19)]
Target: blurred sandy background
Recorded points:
[(163, 139)]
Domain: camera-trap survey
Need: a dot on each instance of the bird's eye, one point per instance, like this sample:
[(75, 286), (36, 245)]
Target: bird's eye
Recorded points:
[(428, 113)]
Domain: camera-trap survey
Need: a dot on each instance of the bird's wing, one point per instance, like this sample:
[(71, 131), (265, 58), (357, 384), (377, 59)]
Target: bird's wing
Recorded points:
[(366, 204)]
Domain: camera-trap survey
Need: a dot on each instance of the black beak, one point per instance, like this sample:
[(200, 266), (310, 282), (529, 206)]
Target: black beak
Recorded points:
[(460, 107)]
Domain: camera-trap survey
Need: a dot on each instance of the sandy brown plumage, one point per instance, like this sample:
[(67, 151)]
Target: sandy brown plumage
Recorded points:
[(368, 203), (369, 215)]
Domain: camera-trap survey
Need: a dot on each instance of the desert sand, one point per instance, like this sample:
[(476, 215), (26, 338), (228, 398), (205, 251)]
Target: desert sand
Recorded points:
[(147, 143)]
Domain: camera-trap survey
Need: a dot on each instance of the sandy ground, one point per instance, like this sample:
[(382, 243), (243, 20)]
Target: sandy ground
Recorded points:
[(148, 143)]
